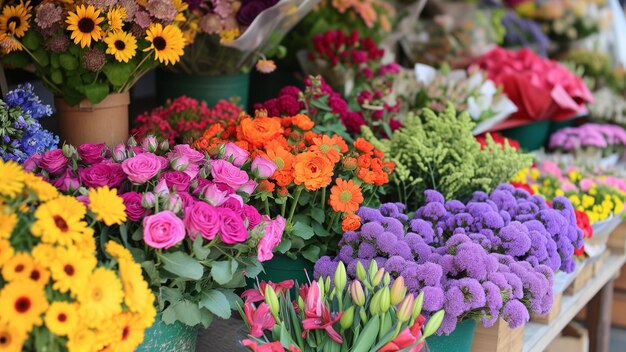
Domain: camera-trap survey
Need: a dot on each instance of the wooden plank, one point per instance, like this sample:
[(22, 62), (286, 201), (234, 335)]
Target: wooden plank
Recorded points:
[(599, 319), (619, 308), (620, 283), (552, 314), (498, 338)]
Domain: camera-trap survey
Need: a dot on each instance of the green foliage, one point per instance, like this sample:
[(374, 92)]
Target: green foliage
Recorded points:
[(438, 151)]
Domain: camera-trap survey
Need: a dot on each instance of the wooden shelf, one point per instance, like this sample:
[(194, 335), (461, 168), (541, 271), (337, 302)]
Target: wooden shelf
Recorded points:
[(537, 336)]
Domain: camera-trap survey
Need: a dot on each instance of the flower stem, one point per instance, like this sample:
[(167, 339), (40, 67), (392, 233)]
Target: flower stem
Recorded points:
[(294, 204)]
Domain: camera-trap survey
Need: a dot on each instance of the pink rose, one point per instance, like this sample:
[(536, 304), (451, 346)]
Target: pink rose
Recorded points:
[(119, 153), (92, 153), (263, 168), (234, 154), (234, 203), (68, 182), (192, 170), (142, 167), (161, 189), (232, 228), (273, 235), (228, 174), (173, 203), (134, 207), (150, 144), (248, 187), (214, 195), (203, 219), (187, 199), (148, 200), (163, 230), (54, 162), (252, 215), (100, 175), (201, 184), (185, 150), (32, 163), (176, 180)]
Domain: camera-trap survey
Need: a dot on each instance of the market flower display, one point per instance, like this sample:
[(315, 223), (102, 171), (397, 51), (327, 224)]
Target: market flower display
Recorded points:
[(57, 290), (604, 138)]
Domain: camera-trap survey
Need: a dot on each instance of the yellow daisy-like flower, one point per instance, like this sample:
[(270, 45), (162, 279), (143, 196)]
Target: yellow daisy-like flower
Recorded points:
[(71, 269), (84, 25), (7, 224), (121, 44), (6, 252), (11, 338), (116, 17), (82, 339), (8, 43), (86, 245), (44, 190), (11, 178), (14, 19), (102, 297), (129, 333), (18, 267), (44, 254), (22, 303), (107, 205), (62, 318), (137, 294), (228, 35), (118, 251), (39, 275), (61, 221), (146, 317), (167, 42), (181, 7)]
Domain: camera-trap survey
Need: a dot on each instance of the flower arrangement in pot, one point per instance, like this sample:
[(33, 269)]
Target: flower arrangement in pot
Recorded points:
[(90, 55), (60, 289), (189, 219)]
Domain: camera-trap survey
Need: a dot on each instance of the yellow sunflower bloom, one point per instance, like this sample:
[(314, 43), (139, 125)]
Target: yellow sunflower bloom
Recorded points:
[(42, 189), (11, 338), (116, 17), (128, 332), (62, 318), (22, 303), (107, 205), (6, 252), (86, 245), (121, 44), (8, 43), (11, 178), (102, 297), (7, 224), (18, 267), (71, 269), (167, 43), (14, 19), (84, 25), (61, 221)]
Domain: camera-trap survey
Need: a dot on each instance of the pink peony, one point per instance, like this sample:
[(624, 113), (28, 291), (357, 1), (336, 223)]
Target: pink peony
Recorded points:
[(143, 167), (163, 230), (203, 219), (228, 174), (232, 228), (54, 162), (263, 168), (134, 208), (273, 235), (92, 153), (234, 154)]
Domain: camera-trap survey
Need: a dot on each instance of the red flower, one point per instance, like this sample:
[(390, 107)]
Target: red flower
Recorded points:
[(407, 337), (268, 347), (259, 319), (257, 295), (583, 223), (523, 186), (498, 139)]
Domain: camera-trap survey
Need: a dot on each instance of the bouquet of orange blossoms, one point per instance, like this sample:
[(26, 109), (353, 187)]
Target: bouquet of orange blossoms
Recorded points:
[(317, 183)]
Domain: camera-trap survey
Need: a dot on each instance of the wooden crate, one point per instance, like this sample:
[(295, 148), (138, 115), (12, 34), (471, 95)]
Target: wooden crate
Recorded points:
[(583, 276), (498, 338), (617, 239), (599, 262), (552, 314)]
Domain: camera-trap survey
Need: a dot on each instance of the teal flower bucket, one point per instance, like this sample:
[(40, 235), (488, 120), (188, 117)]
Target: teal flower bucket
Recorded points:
[(530, 137), (460, 340), (281, 268), (174, 337)]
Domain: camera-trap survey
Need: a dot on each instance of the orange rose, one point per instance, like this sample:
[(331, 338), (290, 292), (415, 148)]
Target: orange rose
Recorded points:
[(363, 145), (303, 122), (259, 130), (283, 178), (381, 179), (313, 170), (350, 222), (308, 136), (365, 161), (366, 175)]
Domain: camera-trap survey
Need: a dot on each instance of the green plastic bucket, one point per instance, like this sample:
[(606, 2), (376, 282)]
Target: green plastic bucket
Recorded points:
[(530, 137), (281, 268), (211, 89), (460, 340), (174, 337)]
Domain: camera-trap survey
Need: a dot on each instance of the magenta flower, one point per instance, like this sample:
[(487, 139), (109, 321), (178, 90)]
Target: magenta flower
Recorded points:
[(259, 319)]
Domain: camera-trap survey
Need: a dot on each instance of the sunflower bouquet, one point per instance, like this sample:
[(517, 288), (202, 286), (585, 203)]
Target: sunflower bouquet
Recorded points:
[(58, 290), (319, 181), (190, 224), (87, 50)]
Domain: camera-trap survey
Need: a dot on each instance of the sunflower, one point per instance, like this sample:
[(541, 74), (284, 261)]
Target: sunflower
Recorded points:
[(107, 206), (129, 332), (137, 294), (14, 19), (85, 25), (121, 44), (61, 221), (102, 297), (19, 266), (168, 43), (42, 189), (61, 318), (71, 270), (11, 178), (8, 43), (7, 224), (11, 338), (6, 252), (345, 196), (116, 17), (22, 303)]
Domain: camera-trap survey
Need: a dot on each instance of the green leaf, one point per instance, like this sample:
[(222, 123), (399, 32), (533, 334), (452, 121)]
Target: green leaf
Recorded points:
[(312, 253), (304, 199), (184, 311), (216, 302), (56, 76), (117, 73), (206, 318), (254, 269), (181, 264), (68, 61), (368, 336), (283, 246), (42, 56), (318, 215), (31, 40), (54, 60), (233, 299), (302, 230), (17, 59), (199, 251), (96, 92), (221, 272), (171, 294)]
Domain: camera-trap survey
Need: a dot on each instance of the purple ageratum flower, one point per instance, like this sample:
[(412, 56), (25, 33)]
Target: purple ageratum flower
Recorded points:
[(395, 265), (470, 259), (324, 266), (367, 250), (394, 210), (424, 229), (455, 206), (517, 287), (515, 313), (369, 215), (432, 196), (349, 237), (394, 226), (515, 239), (434, 298), (429, 274), (385, 242), (448, 325), (402, 249), (432, 212), (346, 254), (494, 302), (371, 231)]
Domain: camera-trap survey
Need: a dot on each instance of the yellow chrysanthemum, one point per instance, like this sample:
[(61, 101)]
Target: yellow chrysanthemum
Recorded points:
[(146, 317), (167, 43), (85, 25), (128, 332), (86, 245), (83, 339), (11, 178), (18, 267), (42, 189), (107, 205), (116, 17), (44, 254), (71, 269), (118, 251), (7, 223), (6, 252), (61, 221), (14, 19), (62, 318), (137, 294), (122, 45), (102, 297), (22, 303), (11, 338)]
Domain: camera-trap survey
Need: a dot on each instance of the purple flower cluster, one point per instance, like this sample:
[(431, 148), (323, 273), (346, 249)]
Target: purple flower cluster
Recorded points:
[(588, 135), (492, 257)]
